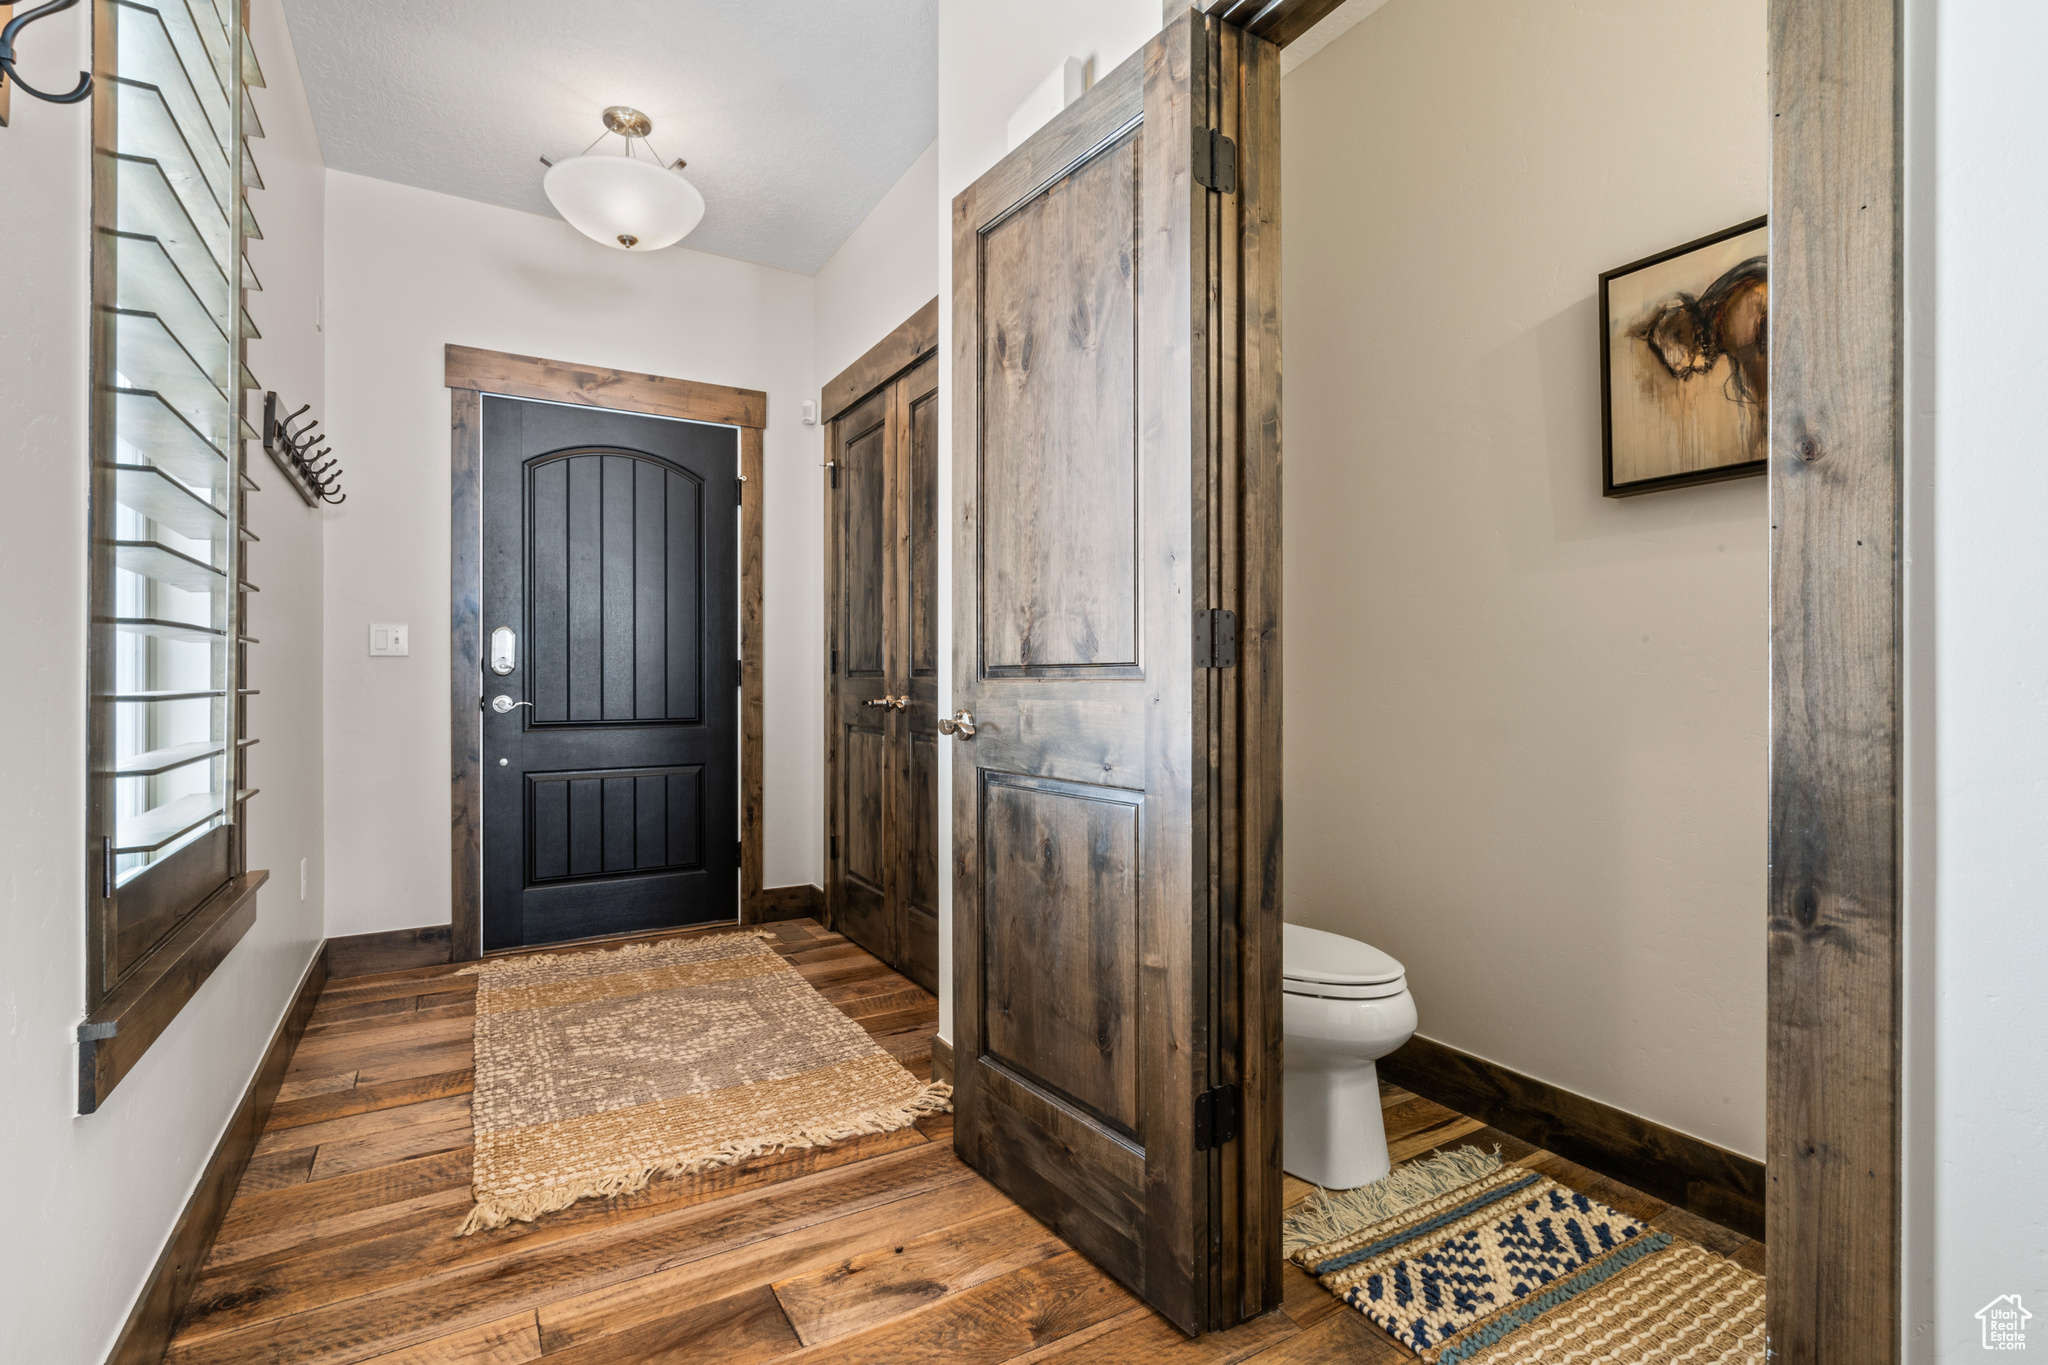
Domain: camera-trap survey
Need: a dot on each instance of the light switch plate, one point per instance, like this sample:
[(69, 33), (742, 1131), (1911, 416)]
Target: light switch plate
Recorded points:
[(387, 639)]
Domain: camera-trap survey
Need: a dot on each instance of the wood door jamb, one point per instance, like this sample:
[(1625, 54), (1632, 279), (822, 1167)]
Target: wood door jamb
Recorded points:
[(471, 373), (1835, 901)]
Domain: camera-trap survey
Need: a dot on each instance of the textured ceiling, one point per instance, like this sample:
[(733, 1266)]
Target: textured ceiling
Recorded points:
[(795, 115)]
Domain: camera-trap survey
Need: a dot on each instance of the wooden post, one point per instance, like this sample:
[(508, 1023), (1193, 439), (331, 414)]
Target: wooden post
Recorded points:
[(1832, 1079)]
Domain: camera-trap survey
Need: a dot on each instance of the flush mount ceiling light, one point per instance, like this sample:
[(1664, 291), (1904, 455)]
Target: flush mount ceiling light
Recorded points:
[(624, 201)]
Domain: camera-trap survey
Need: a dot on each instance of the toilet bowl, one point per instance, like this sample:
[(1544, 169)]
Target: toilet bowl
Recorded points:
[(1345, 1005)]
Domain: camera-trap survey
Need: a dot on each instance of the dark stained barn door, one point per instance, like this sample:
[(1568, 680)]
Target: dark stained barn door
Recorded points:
[(1115, 463), (882, 887), (610, 556)]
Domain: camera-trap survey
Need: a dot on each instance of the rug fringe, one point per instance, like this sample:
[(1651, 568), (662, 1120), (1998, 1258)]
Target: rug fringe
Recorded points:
[(495, 1211), (1324, 1217), (624, 949)]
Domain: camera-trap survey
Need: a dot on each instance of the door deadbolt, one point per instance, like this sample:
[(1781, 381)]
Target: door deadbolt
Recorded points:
[(889, 702), (504, 650), (960, 725)]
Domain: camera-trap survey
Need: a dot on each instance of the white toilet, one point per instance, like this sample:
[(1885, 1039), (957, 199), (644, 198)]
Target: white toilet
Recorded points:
[(1346, 1005)]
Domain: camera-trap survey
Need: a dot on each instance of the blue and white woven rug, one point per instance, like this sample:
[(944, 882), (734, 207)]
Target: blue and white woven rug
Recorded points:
[(1463, 1259)]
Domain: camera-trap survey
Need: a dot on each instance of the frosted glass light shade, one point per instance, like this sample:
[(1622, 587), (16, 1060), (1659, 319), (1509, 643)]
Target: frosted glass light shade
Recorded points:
[(626, 204)]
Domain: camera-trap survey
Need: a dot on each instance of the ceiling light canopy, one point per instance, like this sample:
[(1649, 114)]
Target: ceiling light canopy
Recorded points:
[(621, 200)]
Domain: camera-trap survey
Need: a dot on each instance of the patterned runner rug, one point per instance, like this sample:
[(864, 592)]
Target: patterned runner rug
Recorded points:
[(1467, 1261), (596, 1071)]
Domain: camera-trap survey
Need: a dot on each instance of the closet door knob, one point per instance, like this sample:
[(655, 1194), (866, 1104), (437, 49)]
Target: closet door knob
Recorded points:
[(959, 725)]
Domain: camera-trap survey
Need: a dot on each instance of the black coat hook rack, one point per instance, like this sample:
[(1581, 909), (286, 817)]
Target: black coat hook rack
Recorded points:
[(291, 443), (13, 31)]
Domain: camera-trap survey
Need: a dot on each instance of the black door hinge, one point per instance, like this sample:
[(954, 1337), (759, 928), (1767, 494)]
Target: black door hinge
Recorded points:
[(1215, 161), (1216, 1117), (739, 493), (835, 663), (1216, 638), (835, 473), (835, 848), (739, 847)]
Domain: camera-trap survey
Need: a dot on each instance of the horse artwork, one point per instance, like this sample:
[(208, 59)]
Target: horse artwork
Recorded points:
[(1684, 364)]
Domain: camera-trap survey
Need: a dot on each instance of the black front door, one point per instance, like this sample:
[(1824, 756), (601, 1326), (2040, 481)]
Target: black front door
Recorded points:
[(611, 641)]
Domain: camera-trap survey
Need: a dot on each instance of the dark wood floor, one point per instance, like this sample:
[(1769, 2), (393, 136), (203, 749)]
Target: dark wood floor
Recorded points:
[(339, 1246)]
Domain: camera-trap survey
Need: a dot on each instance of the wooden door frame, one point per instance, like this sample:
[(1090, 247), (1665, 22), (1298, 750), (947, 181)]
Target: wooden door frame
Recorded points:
[(1835, 912), (472, 373), (910, 343)]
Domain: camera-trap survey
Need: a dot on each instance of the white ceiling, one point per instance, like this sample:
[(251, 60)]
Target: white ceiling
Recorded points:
[(795, 115)]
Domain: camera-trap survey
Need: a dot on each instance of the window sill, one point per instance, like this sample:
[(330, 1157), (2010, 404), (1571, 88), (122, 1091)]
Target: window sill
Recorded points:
[(113, 1037)]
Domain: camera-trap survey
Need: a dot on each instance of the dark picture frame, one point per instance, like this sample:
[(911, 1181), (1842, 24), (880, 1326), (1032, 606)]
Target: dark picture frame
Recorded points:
[(1681, 334)]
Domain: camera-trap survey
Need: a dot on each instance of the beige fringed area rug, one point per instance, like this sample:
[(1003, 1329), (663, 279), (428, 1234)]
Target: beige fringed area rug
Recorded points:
[(1466, 1261), (596, 1071)]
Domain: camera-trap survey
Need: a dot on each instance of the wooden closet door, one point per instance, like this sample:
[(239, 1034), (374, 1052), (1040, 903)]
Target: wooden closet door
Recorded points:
[(1115, 908), (882, 889), (862, 875)]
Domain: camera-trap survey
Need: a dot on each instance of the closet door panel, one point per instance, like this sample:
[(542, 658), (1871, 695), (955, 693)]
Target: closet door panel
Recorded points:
[(860, 876)]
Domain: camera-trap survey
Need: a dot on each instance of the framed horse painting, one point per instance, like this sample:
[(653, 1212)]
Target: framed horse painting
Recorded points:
[(1684, 364)]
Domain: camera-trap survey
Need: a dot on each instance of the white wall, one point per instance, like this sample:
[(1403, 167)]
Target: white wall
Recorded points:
[(884, 271), (1977, 656), (286, 821), (991, 57), (408, 271), (92, 1199), (1526, 725)]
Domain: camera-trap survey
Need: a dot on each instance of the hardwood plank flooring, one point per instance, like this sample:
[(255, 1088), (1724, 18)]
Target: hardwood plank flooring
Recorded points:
[(339, 1247)]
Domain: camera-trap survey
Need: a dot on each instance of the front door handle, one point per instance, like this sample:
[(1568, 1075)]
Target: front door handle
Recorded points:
[(503, 704), (960, 725)]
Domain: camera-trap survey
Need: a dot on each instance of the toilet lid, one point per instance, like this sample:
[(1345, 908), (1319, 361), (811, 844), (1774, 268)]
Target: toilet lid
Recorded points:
[(1312, 956)]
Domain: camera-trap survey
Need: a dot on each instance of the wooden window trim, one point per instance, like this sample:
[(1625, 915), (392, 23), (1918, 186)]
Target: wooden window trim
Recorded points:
[(207, 905), (470, 374), (134, 1014)]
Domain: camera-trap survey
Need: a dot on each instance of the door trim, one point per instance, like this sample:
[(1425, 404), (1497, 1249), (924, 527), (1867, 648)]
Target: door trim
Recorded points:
[(916, 337), (1835, 911), (471, 373)]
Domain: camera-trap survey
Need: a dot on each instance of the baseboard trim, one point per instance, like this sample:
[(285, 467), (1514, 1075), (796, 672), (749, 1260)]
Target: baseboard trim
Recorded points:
[(392, 950), (801, 901), (942, 1060), (147, 1334), (1711, 1181)]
